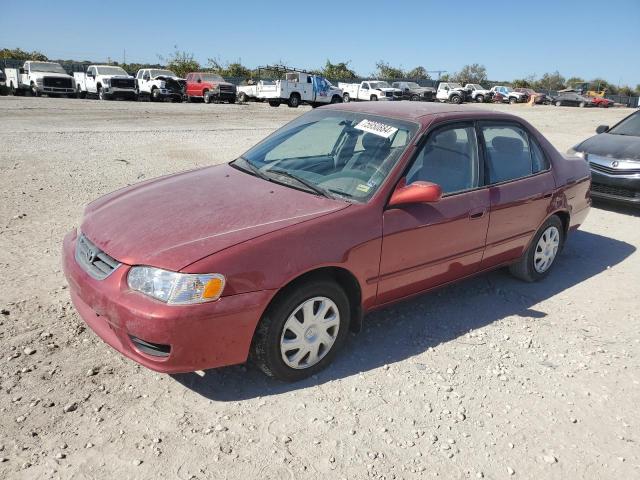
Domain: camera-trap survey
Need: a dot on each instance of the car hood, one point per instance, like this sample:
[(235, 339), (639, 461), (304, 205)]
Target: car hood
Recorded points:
[(388, 89), (622, 147), (173, 221), (51, 75)]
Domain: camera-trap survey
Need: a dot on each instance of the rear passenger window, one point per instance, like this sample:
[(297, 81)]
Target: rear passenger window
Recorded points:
[(540, 162), (450, 159), (508, 153)]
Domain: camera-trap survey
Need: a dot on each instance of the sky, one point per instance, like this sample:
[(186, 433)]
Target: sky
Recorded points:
[(511, 39)]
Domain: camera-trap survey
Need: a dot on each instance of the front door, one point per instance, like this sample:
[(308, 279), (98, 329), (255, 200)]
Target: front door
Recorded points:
[(426, 245), (521, 187), (90, 80)]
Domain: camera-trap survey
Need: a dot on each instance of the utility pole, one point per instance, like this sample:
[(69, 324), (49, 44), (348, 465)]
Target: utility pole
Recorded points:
[(124, 56)]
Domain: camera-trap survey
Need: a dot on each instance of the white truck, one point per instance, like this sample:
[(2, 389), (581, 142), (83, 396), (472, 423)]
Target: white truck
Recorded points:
[(478, 92), (508, 94), (39, 78), (451, 92), (371, 90), (105, 82), (297, 87), (159, 85)]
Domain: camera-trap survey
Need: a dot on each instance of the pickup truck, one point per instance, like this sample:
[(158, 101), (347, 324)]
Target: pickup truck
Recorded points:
[(159, 85), (414, 92), (478, 92), (3, 83), (372, 90), (451, 92), (297, 87), (37, 78), (508, 94), (209, 86), (105, 82)]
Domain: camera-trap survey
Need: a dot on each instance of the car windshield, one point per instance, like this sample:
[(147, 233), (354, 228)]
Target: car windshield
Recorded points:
[(47, 67), (507, 89), (111, 71), (337, 154), (477, 86), (628, 126), (158, 73), (211, 77), (379, 84), (455, 85), (413, 85)]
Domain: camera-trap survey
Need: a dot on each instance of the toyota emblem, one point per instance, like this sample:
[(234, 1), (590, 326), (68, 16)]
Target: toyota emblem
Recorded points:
[(614, 164)]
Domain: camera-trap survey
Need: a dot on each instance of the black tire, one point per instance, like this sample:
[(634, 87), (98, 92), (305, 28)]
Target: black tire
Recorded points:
[(206, 97), (456, 99), (294, 100), (336, 99), (415, 98), (265, 348), (558, 103), (274, 103), (34, 91), (524, 269), (242, 97), (79, 93), (13, 91), (100, 93), (346, 98), (480, 98), (373, 98), (513, 100), (153, 96), (232, 100), (582, 104)]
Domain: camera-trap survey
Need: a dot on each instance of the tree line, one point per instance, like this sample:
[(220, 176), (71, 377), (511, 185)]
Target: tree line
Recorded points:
[(182, 62)]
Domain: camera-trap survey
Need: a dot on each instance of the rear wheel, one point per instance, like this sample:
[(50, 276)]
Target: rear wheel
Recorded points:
[(302, 330), (538, 259), (154, 96), (34, 91), (12, 90), (457, 99), (558, 103), (582, 104), (80, 93), (480, 98), (414, 98), (513, 100), (374, 98), (336, 99), (232, 100), (100, 94), (274, 103), (242, 97), (206, 97), (346, 98), (294, 100)]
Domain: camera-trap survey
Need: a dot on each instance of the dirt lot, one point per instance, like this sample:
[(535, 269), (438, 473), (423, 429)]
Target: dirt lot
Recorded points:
[(490, 378)]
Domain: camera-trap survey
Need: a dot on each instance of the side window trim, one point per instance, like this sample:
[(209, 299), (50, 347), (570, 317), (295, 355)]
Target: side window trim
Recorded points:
[(451, 124)]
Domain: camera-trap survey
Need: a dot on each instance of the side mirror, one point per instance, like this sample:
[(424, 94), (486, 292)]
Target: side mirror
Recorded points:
[(602, 129), (21, 71), (416, 192)]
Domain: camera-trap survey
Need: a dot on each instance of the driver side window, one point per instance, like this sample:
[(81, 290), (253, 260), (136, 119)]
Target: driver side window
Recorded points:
[(450, 159)]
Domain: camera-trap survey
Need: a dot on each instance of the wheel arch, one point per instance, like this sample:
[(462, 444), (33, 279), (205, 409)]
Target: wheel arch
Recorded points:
[(343, 277)]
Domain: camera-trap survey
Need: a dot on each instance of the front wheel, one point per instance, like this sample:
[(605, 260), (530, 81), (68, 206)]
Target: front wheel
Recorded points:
[(415, 98), (513, 100), (537, 260), (374, 98), (100, 94), (34, 91), (206, 97), (582, 104), (242, 97), (294, 101), (480, 98), (274, 103), (456, 99), (346, 98), (301, 332), (558, 103)]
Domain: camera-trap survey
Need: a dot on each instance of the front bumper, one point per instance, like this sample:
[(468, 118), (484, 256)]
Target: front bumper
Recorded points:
[(117, 91), (619, 188), (164, 338), (62, 91), (164, 93)]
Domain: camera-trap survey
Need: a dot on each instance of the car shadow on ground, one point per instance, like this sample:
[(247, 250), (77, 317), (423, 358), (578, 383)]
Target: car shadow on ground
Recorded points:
[(409, 328), (617, 207)]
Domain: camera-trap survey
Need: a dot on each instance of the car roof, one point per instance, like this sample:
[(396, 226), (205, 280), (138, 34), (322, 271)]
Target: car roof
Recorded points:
[(416, 111)]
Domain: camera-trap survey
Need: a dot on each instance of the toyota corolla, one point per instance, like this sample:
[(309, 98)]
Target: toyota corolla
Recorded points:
[(278, 254)]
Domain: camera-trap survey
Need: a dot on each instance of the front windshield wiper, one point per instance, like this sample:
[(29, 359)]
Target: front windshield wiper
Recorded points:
[(302, 181), (252, 169)]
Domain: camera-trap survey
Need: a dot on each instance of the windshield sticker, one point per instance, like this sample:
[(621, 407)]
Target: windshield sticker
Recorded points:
[(363, 188), (377, 128)]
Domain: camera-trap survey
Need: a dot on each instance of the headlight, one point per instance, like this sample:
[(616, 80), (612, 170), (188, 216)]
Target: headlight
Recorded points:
[(106, 81), (575, 153), (176, 288), (163, 84)]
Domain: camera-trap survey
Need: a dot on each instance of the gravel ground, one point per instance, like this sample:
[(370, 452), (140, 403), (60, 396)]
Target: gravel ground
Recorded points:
[(490, 378)]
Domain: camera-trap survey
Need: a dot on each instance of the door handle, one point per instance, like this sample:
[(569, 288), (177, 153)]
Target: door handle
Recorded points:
[(473, 214)]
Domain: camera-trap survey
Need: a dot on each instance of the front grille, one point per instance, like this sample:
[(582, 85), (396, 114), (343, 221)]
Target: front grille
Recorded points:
[(55, 82), (388, 94), (613, 171), (93, 260), (615, 191), (227, 88), (123, 83)]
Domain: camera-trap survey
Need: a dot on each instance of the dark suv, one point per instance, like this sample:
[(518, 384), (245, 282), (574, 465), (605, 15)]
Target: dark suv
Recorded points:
[(414, 92)]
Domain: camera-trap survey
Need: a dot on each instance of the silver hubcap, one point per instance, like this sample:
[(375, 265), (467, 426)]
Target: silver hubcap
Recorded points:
[(309, 332), (546, 249)]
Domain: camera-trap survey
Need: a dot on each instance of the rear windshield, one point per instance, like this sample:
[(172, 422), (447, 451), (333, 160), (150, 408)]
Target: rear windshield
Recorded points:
[(211, 77)]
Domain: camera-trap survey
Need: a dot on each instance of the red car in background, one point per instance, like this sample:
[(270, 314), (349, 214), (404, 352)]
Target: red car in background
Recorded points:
[(350, 207), (602, 102), (209, 87)]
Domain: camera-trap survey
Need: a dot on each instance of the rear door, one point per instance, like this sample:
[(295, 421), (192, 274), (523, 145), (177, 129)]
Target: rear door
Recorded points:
[(521, 189), (426, 245)]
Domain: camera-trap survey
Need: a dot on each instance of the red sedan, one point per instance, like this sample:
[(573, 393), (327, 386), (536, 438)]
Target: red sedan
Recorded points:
[(278, 254)]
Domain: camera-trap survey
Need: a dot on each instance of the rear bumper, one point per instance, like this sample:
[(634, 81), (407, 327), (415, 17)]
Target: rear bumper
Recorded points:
[(164, 338), (619, 188)]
